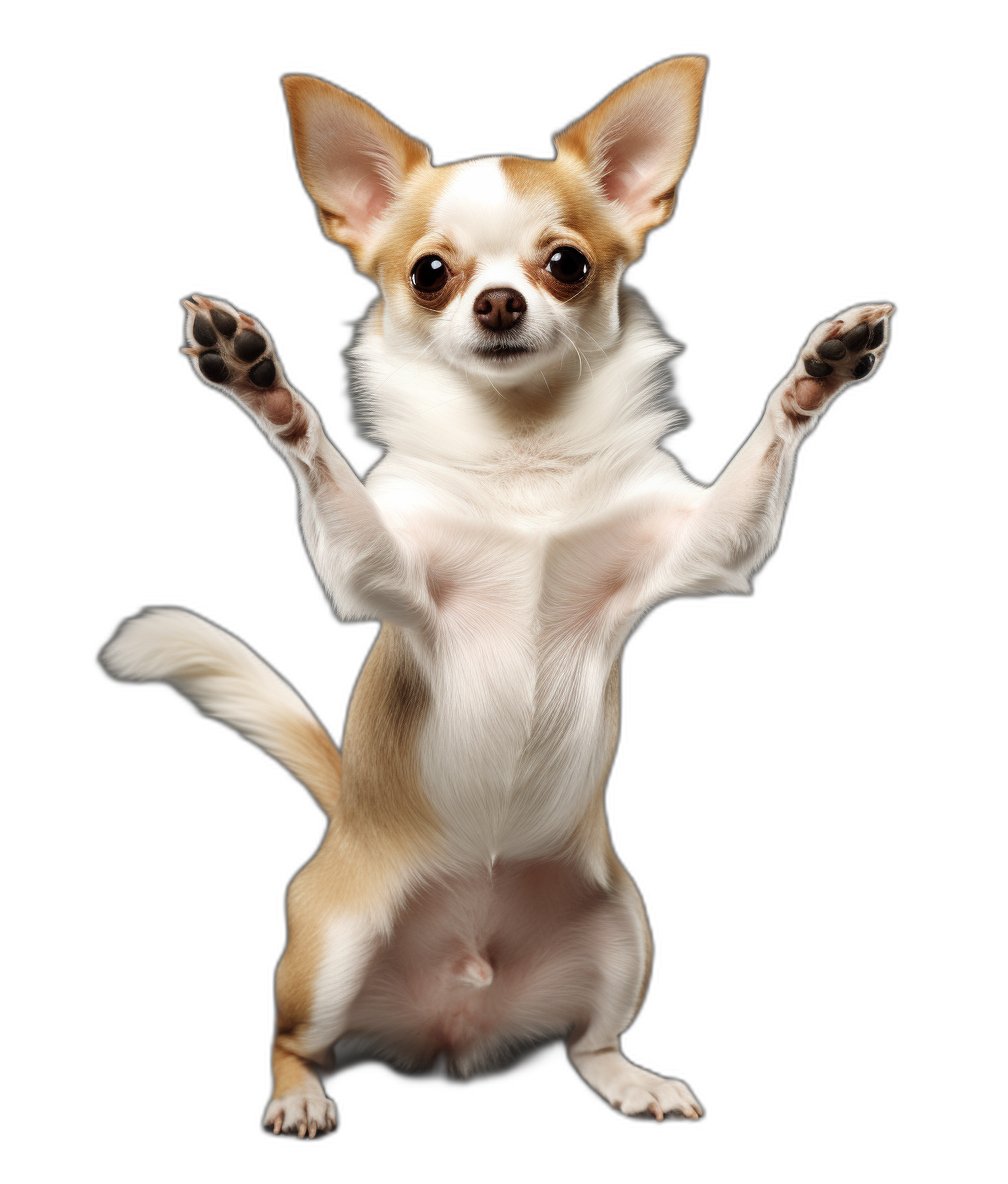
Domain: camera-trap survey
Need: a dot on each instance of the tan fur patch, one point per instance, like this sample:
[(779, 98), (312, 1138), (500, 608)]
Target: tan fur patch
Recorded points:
[(405, 224), (583, 210), (315, 761), (381, 823)]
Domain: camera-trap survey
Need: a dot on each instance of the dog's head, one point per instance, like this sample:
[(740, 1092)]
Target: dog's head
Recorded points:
[(501, 264)]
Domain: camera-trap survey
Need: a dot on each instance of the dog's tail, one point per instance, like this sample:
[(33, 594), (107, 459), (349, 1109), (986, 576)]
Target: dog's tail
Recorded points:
[(227, 681)]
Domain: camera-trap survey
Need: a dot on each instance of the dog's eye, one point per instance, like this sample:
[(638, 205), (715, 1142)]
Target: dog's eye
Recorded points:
[(429, 274), (567, 265)]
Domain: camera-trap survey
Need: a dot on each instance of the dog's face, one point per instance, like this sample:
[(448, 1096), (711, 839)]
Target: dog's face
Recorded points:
[(502, 265)]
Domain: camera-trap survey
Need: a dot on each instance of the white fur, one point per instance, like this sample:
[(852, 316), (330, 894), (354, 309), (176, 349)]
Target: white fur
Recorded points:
[(223, 677)]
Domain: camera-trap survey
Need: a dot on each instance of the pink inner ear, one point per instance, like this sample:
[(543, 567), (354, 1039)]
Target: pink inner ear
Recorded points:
[(360, 188), (631, 175)]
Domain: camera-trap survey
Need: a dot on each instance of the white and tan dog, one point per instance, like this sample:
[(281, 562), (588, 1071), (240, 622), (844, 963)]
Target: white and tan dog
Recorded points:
[(466, 899)]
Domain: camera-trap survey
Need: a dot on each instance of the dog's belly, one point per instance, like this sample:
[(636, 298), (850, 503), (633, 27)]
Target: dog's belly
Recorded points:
[(478, 965)]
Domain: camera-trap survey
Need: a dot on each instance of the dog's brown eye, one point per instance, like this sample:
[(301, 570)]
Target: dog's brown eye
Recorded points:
[(567, 265), (429, 274)]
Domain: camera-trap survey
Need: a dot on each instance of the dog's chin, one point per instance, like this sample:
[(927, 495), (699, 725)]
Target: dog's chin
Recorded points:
[(506, 360)]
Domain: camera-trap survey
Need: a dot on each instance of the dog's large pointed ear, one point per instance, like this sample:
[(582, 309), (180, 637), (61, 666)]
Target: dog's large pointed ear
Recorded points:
[(352, 160), (636, 143)]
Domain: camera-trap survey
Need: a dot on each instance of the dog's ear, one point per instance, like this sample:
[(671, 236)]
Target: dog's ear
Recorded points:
[(636, 143), (352, 160)]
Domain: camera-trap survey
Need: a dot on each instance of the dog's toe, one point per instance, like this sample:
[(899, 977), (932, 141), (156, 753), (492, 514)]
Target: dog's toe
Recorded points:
[(855, 339), (224, 322), (213, 367)]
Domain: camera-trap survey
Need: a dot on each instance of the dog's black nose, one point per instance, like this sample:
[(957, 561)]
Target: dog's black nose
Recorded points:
[(499, 308)]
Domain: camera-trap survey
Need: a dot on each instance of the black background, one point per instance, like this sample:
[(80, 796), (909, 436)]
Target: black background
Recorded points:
[(758, 792)]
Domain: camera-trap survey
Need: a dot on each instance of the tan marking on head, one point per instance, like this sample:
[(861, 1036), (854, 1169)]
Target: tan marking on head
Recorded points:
[(403, 235), (582, 210)]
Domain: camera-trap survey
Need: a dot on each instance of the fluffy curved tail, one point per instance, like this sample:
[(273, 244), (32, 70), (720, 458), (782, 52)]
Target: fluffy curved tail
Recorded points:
[(227, 681)]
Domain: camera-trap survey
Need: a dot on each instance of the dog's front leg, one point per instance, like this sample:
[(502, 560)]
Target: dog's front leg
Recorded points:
[(365, 568), (733, 525)]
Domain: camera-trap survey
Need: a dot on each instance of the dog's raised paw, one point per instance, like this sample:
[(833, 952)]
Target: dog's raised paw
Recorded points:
[(849, 345), (301, 1114), (233, 350), (229, 347), (844, 349)]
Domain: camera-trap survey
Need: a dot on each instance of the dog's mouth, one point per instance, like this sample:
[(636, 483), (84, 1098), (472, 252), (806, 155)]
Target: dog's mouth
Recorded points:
[(503, 351)]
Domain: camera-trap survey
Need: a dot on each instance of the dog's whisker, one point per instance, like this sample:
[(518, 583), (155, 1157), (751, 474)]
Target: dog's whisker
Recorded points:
[(581, 358), (582, 329)]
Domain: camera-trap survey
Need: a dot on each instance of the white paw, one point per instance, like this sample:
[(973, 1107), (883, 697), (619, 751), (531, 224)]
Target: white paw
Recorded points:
[(636, 1091), (305, 1113)]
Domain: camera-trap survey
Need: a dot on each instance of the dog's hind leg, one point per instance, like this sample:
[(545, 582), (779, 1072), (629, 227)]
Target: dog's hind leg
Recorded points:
[(318, 978), (622, 943), (340, 906)]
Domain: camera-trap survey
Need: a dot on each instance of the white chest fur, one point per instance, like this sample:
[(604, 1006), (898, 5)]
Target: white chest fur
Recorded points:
[(526, 574)]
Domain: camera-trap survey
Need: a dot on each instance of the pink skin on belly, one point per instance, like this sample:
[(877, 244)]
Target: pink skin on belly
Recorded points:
[(478, 965)]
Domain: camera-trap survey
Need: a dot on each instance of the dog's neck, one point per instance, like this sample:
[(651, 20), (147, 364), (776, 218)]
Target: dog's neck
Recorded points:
[(611, 407)]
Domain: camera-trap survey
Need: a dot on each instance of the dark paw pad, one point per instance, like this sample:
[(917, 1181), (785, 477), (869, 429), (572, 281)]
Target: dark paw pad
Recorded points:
[(263, 374), (203, 331), (856, 339), (876, 335), (864, 366), (224, 322), (213, 367), (832, 350), (817, 369), (249, 344)]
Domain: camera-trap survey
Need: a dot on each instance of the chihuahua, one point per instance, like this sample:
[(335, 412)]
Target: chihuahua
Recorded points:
[(466, 900)]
